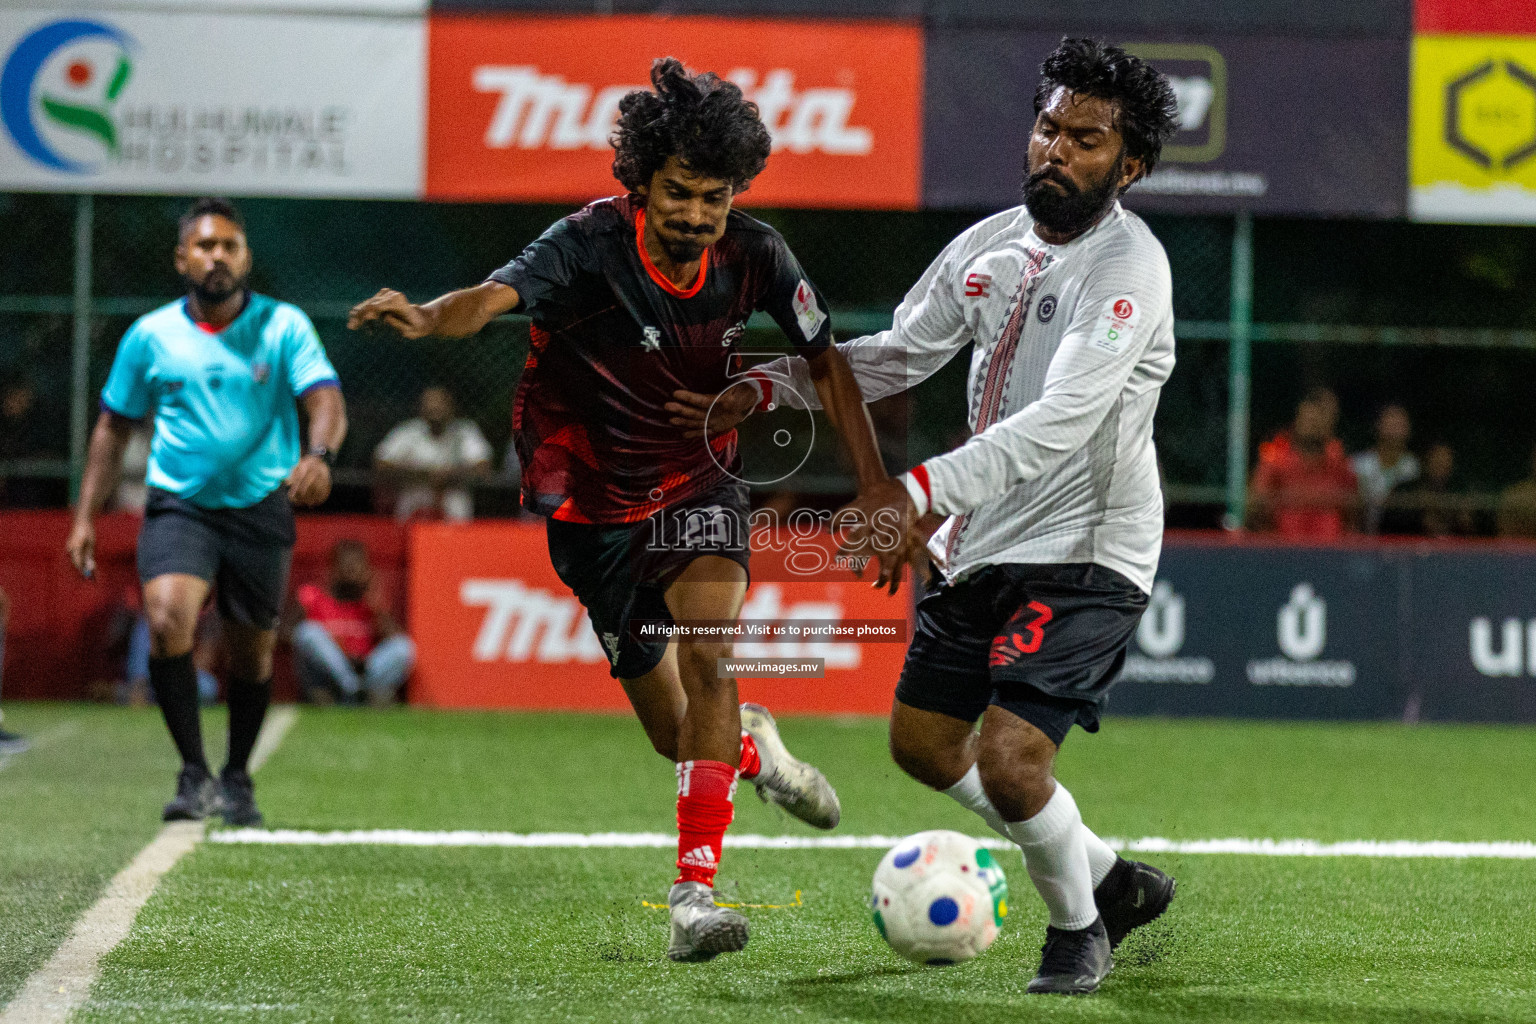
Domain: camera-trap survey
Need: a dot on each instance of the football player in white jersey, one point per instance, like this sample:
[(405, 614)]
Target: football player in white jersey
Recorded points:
[(1051, 512)]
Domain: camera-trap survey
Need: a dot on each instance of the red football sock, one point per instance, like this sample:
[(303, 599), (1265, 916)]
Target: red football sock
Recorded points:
[(705, 790), (751, 764)]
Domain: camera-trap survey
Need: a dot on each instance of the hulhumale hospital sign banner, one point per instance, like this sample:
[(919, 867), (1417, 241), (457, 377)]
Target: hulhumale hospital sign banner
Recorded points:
[(239, 104)]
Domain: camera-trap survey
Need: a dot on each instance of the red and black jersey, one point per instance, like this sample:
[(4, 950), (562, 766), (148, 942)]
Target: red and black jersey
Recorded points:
[(612, 339)]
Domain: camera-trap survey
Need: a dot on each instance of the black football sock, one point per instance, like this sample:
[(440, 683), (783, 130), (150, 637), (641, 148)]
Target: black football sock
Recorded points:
[(247, 709), (174, 681)]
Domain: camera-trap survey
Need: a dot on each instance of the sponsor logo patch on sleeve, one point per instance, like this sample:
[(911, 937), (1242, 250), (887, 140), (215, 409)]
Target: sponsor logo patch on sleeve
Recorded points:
[(1116, 323), (808, 312)]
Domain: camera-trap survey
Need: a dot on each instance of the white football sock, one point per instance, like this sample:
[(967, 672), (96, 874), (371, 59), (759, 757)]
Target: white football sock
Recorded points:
[(969, 794), (1056, 857), (1100, 857)]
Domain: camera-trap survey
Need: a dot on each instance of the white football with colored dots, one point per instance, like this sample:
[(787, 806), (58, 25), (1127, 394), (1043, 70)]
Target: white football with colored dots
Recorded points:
[(939, 897)]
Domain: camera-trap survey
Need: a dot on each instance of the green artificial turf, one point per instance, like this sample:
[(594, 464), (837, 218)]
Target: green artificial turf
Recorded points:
[(73, 811), (389, 934), (366, 934)]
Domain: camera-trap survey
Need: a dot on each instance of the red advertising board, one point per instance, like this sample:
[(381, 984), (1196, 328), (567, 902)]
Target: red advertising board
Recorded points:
[(521, 108), (1506, 17), (495, 628)]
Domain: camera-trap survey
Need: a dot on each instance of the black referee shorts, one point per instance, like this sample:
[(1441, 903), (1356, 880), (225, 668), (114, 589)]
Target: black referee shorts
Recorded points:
[(621, 572), (244, 552), (1045, 642)]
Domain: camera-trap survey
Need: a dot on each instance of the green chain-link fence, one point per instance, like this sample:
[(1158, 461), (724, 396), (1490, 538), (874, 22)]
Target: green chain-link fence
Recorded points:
[(1444, 326)]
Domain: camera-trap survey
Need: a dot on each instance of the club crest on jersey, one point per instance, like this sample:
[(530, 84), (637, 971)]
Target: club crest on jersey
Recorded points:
[(652, 340), (261, 372), (1047, 309), (808, 313)]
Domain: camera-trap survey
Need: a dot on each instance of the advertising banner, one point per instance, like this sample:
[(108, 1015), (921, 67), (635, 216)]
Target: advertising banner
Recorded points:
[(1507, 17), (1473, 141), (1474, 636), (134, 101), (1232, 630), (520, 109), (1267, 633), (1286, 126), (1433, 633), (495, 627)]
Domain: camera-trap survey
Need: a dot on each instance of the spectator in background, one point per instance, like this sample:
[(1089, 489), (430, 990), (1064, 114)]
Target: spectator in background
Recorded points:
[(348, 643), (21, 437), (1517, 506), (10, 743), (431, 458), (1388, 465), (1430, 506), (20, 432), (1304, 487)]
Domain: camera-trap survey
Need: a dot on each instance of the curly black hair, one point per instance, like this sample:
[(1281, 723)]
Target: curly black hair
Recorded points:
[(1146, 110), (706, 123)]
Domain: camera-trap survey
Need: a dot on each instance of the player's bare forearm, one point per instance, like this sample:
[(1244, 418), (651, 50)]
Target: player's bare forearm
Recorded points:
[(464, 312), (327, 412), (103, 463), (455, 315), (839, 392)]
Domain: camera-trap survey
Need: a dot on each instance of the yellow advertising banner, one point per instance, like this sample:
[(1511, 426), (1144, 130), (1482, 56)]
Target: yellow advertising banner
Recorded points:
[(1472, 129)]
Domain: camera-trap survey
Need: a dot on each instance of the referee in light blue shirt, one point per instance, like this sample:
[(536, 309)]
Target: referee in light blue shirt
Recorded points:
[(219, 370)]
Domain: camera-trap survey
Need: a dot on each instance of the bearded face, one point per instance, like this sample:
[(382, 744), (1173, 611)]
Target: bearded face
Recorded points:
[(1064, 207)]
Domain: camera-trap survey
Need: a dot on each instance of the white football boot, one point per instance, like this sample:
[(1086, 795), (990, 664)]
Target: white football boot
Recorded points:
[(784, 779), (700, 930)]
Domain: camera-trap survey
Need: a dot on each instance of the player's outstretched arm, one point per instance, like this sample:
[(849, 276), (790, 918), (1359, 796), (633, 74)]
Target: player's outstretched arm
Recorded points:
[(881, 500), (455, 315), (103, 463)]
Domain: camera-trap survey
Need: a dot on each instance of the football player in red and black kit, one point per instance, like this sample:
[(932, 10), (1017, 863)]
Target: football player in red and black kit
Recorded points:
[(637, 304)]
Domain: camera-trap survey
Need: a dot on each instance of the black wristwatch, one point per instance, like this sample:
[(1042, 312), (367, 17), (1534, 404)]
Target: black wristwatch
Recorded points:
[(324, 454)]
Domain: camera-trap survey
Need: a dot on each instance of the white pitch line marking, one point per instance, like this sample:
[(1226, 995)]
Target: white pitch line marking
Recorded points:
[(278, 721), (663, 840), (60, 986), (47, 737)]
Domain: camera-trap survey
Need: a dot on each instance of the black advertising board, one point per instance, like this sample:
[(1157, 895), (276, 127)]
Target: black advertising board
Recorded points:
[(1267, 633), (1473, 637), (1283, 126), (1336, 633)]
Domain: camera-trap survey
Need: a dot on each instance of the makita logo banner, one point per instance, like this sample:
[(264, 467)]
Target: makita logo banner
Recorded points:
[(539, 111), (522, 108), (495, 627)]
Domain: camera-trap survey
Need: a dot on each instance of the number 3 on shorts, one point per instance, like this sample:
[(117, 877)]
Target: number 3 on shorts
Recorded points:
[(1010, 645)]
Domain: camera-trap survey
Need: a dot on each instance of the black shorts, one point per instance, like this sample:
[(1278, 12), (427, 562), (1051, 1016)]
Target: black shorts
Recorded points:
[(1045, 642), (621, 573), (244, 552)]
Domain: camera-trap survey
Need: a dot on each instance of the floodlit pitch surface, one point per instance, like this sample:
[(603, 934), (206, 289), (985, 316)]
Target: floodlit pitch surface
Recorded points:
[(389, 933)]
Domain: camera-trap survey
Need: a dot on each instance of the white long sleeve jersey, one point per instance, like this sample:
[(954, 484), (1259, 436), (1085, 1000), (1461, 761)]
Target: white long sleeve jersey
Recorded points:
[(1072, 346)]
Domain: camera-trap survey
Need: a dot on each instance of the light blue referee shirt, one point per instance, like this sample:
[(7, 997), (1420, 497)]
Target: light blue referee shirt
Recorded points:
[(226, 426)]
